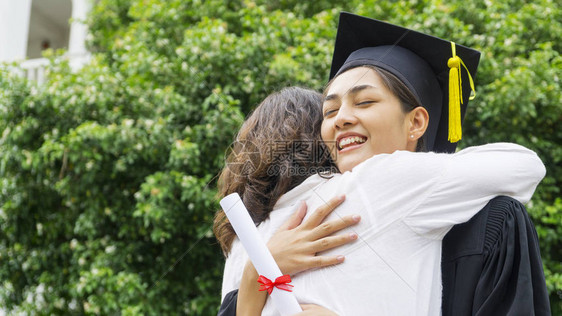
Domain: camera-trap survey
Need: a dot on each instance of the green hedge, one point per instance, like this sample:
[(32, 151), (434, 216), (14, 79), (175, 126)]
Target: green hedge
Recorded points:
[(108, 175)]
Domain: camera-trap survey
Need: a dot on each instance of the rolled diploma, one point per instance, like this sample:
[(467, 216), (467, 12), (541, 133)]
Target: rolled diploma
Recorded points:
[(285, 302)]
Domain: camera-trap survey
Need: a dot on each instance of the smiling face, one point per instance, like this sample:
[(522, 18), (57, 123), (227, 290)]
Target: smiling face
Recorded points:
[(362, 118)]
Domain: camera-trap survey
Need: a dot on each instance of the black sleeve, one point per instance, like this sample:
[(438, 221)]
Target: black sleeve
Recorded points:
[(228, 306), (491, 265)]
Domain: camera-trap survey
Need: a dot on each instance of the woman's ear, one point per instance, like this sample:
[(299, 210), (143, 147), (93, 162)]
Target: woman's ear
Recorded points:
[(419, 120)]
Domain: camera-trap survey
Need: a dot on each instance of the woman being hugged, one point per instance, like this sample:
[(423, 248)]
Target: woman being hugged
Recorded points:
[(394, 93)]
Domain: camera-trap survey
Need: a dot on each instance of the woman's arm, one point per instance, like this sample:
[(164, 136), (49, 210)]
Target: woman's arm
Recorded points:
[(494, 169), (432, 191), (472, 177), (294, 247), (250, 300)]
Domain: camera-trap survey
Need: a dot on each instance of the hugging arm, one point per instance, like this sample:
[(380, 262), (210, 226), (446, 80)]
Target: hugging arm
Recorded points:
[(228, 308), (294, 247), (490, 265), (471, 178)]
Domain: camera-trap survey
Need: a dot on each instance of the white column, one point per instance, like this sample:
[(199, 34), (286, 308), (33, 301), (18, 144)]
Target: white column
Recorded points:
[(14, 29), (78, 32)]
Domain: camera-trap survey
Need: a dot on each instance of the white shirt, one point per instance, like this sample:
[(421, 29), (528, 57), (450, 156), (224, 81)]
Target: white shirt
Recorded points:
[(407, 201)]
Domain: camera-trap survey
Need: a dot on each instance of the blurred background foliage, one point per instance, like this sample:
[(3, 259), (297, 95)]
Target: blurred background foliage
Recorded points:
[(108, 175)]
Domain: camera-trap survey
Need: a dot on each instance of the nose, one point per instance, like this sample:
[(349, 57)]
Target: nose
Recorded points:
[(345, 117)]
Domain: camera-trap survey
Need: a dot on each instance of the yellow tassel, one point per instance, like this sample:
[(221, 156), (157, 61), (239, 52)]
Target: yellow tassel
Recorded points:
[(455, 100), (455, 95)]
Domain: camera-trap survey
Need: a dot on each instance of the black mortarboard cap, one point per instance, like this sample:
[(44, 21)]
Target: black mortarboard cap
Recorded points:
[(420, 61)]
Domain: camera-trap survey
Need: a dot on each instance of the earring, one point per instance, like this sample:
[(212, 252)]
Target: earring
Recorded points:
[(411, 135)]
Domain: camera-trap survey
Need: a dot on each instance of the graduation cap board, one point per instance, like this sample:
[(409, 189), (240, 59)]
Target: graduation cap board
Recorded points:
[(437, 71)]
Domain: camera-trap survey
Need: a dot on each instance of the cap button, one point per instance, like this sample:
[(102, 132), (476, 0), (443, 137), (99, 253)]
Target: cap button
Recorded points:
[(454, 62)]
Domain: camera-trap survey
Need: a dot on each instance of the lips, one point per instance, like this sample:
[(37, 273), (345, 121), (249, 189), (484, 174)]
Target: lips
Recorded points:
[(350, 140)]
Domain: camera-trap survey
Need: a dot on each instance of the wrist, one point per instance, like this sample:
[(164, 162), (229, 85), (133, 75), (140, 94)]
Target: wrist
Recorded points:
[(250, 272), (250, 300)]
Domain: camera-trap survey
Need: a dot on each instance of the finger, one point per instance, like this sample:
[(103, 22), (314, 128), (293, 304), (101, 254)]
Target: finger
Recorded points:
[(311, 309), (328, 228), (296, 218), (332, 242), (318, 216), (307, 309), (323, 261)]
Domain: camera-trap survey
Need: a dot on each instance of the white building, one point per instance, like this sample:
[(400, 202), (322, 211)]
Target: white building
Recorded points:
[(27, 27)]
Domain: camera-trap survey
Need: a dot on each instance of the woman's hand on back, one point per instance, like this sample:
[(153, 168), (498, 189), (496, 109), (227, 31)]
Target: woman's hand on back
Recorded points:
[(295, 245)]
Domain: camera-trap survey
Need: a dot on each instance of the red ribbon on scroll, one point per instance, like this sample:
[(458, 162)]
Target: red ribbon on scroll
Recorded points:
[(281, 283)]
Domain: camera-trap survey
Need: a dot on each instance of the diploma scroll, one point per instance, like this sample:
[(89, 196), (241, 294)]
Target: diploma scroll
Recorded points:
[(263, 261)]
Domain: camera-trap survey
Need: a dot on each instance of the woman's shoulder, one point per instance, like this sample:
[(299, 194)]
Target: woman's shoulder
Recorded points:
[(398, 162), (494, 147), (304, 190), (404, 157)]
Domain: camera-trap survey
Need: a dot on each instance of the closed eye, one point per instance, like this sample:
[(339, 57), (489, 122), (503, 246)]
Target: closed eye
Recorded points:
[(329, 112), (366, 102)]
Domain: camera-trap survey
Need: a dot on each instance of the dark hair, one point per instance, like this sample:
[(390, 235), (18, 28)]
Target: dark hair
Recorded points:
[(276, 149), (407, 99)]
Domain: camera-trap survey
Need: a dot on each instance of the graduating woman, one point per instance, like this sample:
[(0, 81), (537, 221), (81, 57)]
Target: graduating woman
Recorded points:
[(385, 102)]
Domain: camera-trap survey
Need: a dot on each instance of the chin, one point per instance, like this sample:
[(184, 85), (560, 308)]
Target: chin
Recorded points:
[(343, 166), (350, 163)]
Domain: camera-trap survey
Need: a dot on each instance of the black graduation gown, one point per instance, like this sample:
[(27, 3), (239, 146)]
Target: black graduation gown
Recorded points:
[(490, 265), (228, 306)]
